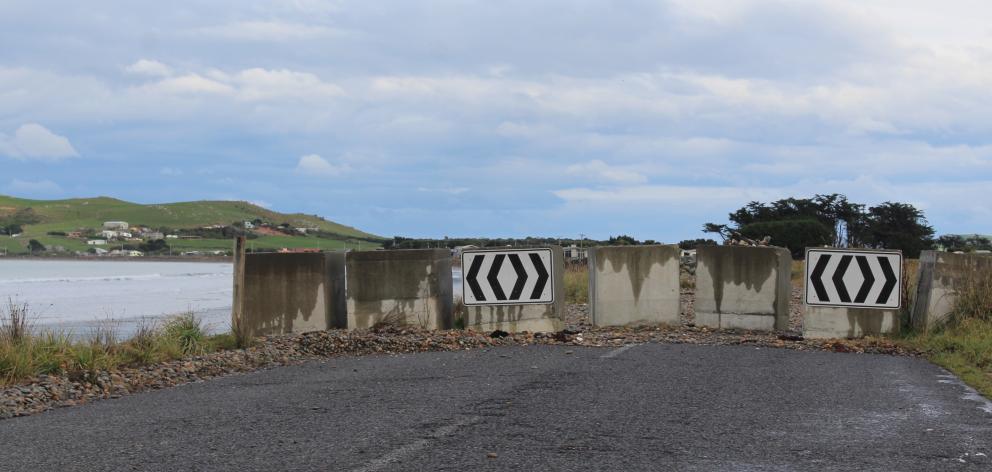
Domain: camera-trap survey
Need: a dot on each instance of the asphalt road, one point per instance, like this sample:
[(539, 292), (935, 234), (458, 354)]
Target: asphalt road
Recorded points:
[(644, 407)]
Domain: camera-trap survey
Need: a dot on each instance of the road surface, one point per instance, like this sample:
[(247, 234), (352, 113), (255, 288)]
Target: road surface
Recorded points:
[(640, 407)]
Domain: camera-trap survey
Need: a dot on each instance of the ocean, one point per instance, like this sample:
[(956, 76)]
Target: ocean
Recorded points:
[(77, 296)]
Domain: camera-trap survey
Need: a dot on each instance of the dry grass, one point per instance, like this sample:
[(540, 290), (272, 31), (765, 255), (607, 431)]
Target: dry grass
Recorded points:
[(25, 354), (577, 283)]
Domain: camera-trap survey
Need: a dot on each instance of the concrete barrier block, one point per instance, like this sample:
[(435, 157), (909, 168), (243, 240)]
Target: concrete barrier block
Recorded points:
[(742, 287), (847, 322), (293, 293), (519, 318), (942, 275), (634, 285), (411, 287)]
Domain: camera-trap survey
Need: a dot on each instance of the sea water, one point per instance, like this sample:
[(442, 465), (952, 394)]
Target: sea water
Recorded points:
[(78, 296)]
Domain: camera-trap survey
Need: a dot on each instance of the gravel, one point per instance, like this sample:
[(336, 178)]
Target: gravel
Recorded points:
[(53, 391)]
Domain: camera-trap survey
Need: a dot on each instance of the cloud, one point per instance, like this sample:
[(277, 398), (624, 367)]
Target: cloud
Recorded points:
[(32, 141), (601, 170), (149, 68), (447, 190), (37, 188), (313, 164), (268, 31)]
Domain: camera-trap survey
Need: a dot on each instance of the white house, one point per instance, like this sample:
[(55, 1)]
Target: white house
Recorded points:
[(96, 242), (118, 225), (109, 234), (249, 225), (172, 236)]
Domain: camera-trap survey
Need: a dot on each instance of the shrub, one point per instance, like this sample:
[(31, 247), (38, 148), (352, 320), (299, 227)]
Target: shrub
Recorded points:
[(187, 330)]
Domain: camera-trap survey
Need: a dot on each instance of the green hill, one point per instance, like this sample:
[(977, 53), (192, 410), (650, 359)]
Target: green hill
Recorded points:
[(47, 216)]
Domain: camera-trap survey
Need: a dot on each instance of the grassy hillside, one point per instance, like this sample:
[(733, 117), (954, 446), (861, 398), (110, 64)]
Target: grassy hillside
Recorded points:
[(78, 213)]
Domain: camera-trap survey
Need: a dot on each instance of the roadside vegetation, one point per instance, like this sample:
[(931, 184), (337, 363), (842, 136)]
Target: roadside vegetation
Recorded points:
[(964, 344), (25, 353), (576, 283)]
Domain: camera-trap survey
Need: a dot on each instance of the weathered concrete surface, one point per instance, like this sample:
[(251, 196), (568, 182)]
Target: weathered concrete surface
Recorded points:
[(408, 286), (942, 277), (847, 322), (518, 318), (292, 293), (634, 285), (742, 287)]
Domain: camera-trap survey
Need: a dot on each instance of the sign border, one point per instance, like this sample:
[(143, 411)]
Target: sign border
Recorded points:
[(551, 276), (856, 250)]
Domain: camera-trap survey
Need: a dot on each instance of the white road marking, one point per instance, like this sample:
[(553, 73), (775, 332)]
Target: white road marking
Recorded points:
[(617, 351), (396, 454)]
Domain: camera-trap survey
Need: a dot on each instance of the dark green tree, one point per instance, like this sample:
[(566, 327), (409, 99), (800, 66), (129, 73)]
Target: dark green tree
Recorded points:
[(894, 225), (35, 246)]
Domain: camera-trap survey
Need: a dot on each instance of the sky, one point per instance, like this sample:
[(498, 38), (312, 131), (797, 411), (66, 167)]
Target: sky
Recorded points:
[(501, 119)]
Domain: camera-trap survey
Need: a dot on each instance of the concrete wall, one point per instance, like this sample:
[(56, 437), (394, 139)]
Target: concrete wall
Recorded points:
[(634, 285), (412, 287), (846, 322), (942, 275), (518, 318), (743, 287), (291, 293)]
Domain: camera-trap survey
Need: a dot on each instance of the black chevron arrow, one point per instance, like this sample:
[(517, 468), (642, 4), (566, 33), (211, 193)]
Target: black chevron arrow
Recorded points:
[(869, 280), (493, 277), (838, 278), (521, 277), (890, 280), (542, 276), (472, 278), (817, 277)]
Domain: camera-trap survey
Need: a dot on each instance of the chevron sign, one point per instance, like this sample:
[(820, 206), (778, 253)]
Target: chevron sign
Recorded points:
[(508, 277), (853, 278)]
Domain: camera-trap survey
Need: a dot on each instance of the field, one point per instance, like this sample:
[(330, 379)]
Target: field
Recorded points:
[(75, 214)]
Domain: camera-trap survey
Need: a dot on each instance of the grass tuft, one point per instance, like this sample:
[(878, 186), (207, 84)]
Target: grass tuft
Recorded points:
[(25, 355), (577, 283)]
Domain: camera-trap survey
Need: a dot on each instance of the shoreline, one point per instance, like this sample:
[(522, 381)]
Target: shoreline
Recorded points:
[(20, 257)]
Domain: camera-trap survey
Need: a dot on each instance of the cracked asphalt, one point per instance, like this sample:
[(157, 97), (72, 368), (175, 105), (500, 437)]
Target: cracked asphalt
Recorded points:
[(640, 407)]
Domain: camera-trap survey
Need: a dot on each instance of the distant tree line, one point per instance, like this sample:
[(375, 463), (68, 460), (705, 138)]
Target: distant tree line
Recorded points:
[(830, 220), (964, 243)]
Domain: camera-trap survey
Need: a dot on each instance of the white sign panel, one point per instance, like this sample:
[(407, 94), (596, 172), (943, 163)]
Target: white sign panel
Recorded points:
[(853, 278), (508, 277)]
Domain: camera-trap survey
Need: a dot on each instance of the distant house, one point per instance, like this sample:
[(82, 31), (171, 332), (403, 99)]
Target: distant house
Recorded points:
[(172, 236), (74, 234), (457, 250), (109, 233), (96, 242), (575, 253), (116, 225), (249, 225), (153, 235), (298, 250)]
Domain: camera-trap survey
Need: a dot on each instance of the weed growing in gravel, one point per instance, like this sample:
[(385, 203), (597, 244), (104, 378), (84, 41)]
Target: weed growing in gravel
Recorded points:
[(187, 330), (25, 354)]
